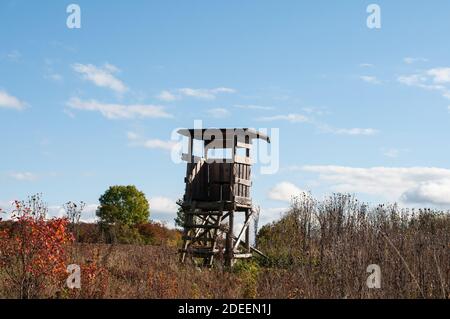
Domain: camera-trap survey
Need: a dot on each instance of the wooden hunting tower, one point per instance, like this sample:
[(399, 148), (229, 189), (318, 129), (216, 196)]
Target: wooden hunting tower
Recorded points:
[(216, 190)]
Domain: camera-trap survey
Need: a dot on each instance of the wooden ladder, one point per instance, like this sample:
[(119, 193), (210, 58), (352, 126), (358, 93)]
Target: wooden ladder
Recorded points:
[(201, 234)]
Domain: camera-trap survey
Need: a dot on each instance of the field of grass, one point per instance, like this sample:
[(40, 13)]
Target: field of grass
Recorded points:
[(319, 249)]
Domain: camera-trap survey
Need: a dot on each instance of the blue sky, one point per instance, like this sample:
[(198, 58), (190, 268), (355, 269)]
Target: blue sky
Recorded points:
[(359, 110)]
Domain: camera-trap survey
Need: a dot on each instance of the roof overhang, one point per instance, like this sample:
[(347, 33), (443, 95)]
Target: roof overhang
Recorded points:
[(208, 134)]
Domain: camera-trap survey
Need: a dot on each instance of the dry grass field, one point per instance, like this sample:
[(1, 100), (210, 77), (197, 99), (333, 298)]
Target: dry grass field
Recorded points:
[(317, 250)]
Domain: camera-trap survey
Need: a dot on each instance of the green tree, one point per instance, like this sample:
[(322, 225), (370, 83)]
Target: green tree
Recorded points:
[(124, 205), (179, 220)]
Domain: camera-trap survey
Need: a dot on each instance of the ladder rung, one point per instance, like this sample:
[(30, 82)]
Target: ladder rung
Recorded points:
[(199, 252), (202, 226), (205, 214), (242, 256), (198, 238)]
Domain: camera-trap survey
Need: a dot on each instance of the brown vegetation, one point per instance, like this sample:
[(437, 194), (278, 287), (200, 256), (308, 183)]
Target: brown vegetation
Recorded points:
[(317, 250)]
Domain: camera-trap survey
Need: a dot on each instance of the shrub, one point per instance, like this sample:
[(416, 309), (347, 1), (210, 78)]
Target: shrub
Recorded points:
[(158, 234), (33, 252)]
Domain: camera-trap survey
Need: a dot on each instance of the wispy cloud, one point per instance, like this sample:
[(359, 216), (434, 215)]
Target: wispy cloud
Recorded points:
[(254, 107), (136, 140), (316, 110), (167, 96), (201, 94), (50, 73), (300, 118), (101, 76), (219, 112), (10, 102), (436, 79), (410, 60), (440, 75), (392, 153), (119, 111), (207, 94), (159, 144), (23, 176), (348, 131), (366, 65), (293, 118), (370, 79), (14, 56), (53, 76)]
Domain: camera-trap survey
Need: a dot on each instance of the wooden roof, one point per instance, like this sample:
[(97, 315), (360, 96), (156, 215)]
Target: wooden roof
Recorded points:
[(228, 133)]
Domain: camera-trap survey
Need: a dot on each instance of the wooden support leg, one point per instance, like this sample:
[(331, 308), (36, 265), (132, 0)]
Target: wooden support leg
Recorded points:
[(229, 252), (247, 233), (215, 235), (188, 220)]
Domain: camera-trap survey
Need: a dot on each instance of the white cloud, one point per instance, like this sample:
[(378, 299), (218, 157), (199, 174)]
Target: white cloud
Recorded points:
[(411, 80), (370, 79), (284, 191), (366, 65), (434, 192), (440, 75), (138, 141), (410, 60), (132, 136), (293, 118), (254, 107), (54, 77), (88, 215), (69, 113), (10, 102), (206, 94), (433, 80), (392, 153), (167, 96), (159, 144), (218, 112), (299, 118), (50, 73), (6, 207), (347, 131), (14, 56), (202, 94), (316, 110), (408, 185), (268, 215), (101, 76), (119, 111), (23, 176), (163, 205), (355, 131)]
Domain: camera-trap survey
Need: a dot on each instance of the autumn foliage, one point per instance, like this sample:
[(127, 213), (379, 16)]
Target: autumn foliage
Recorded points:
[(33, 251)]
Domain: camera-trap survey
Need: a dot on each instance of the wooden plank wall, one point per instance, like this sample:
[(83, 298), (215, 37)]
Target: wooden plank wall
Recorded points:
[(213, 182), (242, 180)]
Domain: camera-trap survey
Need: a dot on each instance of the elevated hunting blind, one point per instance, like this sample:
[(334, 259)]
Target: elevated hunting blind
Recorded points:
[(218, 188)]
